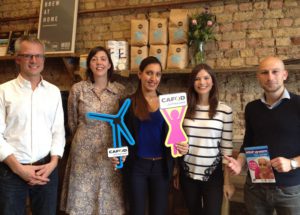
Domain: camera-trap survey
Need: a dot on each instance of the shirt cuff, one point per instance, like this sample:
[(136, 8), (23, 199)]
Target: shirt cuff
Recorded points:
[(5, 151)]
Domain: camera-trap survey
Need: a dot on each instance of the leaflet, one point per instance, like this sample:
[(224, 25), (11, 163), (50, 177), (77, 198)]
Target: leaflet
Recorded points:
[(258, 161)]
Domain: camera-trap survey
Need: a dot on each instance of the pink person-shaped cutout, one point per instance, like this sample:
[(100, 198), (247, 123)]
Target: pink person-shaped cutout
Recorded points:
[(176, 133)]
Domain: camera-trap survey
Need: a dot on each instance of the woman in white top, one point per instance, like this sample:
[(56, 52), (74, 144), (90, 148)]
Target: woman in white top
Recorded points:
[(208, 125)]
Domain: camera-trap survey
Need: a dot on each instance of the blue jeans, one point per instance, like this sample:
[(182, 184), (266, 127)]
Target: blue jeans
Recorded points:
[(263, 199), (149, 182), (14, 192)]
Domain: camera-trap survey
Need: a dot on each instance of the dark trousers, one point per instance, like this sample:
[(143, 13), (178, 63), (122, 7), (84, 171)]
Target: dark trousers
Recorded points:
[(263, 199), (14, 192), (202, 197), (148, 182)]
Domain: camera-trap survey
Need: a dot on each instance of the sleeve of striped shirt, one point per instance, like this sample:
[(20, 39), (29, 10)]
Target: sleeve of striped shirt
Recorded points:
[(226, 141)]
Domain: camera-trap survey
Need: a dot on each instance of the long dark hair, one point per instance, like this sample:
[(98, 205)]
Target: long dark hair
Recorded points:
[(139, 103), (192, 95), (92, 53)]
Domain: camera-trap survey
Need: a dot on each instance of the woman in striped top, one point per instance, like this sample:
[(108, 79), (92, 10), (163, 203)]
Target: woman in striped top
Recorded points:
[(208, 125)]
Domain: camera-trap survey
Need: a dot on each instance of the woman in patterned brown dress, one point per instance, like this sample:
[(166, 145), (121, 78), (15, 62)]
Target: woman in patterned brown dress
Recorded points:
[(91, 185)]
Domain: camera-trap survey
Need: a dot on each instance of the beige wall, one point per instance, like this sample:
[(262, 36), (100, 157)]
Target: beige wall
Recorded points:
[(247, 32)]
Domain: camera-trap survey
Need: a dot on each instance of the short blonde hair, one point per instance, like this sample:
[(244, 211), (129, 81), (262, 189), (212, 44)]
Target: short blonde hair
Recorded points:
[(26, 38)]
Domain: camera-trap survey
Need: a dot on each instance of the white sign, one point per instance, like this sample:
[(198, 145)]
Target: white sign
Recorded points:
[(172, 100), (117, 152)]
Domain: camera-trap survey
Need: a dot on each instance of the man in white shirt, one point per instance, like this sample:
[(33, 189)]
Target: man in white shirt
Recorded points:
[(32, 135)]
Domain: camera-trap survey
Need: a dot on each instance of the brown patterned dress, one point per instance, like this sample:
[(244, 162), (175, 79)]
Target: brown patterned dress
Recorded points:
[(91, 185)]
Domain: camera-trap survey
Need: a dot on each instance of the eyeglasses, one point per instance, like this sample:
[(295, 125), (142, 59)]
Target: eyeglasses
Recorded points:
[(30, 56)]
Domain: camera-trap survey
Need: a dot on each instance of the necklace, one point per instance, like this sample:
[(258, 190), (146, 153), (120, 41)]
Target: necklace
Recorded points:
[(150, 99)]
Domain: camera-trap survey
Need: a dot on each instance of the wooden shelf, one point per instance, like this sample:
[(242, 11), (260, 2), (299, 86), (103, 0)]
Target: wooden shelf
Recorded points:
[(143, 6), (118, 8), (290, 67)]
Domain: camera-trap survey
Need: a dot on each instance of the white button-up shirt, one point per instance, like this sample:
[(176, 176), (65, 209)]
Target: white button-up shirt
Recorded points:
[(31, 122)]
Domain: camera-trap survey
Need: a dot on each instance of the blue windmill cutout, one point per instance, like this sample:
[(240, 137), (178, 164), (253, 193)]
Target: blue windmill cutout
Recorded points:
[(118, 126)]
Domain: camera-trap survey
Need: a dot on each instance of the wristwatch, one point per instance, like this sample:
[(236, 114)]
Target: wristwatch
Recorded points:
[(294, 164)]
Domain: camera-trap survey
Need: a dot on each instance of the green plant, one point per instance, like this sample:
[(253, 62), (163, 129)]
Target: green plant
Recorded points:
[(201, 27)]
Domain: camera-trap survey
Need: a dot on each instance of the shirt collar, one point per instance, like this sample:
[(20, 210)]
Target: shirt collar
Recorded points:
[(285, 95), (26, 84), (111, 87)]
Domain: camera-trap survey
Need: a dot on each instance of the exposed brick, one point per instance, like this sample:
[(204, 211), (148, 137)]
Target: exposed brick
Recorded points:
[(100, 4), (145, 1), (290, 3), (239, 44), (273, 14), (118, 26), (259, 33), (261, 5), (231, 53), (242, 16), (223, 63), (247, 53), (295, 40), (239, 26), (234, 35), (284, 50), (224, 45), (89, 5), (275, 4), (270, 23), (286, 32), (230, 8), (293, 12), (285, 41), (264, 51), (118, 35), (118, 18), (116, 3), (268, 42), (255, 25), (252, 61), (211, 63), (141, 16), (211, 46), (237, 62), (93, 37), (286, 22), (106, 36), (222, 18), (297, 22), (87, 21), (133, 2), (245, 6), (225, 27), (217, 9)]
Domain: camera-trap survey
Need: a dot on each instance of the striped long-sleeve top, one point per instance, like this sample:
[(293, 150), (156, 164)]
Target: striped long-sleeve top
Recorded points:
[(208, 140)]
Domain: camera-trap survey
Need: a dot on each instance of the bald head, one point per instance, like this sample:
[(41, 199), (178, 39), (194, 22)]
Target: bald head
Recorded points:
[(271, 62), (271, 75)]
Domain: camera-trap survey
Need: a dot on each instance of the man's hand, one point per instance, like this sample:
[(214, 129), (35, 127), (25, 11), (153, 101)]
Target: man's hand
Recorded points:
[(228, 190), (281, 164), (234, 165), (182, 148), (28, 174), (44, 171)]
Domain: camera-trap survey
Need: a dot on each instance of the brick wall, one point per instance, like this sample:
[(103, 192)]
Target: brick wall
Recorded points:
[(246, 33)]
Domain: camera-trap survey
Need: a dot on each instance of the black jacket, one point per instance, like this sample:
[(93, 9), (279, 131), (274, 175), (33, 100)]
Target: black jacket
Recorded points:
[(133, 123)]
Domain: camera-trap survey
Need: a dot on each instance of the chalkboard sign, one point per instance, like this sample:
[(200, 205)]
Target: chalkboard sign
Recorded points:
[(57, 25)]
